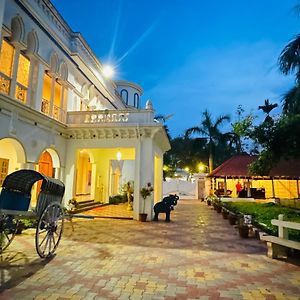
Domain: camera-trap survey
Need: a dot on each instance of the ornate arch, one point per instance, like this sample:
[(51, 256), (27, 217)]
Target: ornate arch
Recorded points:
[(17, 30), (63, 71), (54, 63), (32, 42)]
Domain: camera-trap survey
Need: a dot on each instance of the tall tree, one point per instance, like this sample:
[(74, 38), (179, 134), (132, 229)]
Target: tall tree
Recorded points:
[(289, 63), (210, 130), (267, 107), (241, 129)]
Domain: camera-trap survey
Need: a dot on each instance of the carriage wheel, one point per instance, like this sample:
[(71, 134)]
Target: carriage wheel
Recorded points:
[(49, 230), (8, 229)]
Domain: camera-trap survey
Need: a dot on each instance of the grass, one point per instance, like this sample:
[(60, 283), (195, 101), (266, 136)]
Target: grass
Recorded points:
[(263, 213)]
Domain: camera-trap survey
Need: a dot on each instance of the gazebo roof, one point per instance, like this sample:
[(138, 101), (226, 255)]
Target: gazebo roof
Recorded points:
[(237, 166)]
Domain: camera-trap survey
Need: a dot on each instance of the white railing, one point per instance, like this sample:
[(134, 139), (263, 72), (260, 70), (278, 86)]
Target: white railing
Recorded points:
[(21, 92), (110, 116), (4, 84)]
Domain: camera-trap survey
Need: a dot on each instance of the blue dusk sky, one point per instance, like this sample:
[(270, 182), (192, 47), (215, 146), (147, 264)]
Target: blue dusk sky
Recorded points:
[(191, 55)]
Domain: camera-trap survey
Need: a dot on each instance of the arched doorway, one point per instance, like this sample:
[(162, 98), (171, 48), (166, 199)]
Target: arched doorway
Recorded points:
[(12, 157), (46, 164), (83, 175)]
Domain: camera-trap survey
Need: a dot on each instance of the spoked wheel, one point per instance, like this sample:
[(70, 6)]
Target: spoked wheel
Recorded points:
[(49, 230), (8, 229)]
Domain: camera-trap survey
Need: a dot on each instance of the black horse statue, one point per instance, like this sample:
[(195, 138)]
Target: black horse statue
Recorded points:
[(165, 206)]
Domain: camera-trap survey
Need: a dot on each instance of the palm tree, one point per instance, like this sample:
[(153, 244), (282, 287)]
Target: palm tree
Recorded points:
[(211, 131), (267, 107), (289, 62), (291, 101), (163, 119)]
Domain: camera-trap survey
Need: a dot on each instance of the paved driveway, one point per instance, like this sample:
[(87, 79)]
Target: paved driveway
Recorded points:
[(196, 256)]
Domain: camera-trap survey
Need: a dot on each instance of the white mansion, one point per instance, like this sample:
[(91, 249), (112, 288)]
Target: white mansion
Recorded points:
[(60, 116)]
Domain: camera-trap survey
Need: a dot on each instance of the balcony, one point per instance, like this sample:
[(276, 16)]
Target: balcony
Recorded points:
[(4, 84), (121, 117)]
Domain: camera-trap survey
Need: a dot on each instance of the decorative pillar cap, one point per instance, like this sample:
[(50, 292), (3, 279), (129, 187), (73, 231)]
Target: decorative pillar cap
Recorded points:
[(149, 105)]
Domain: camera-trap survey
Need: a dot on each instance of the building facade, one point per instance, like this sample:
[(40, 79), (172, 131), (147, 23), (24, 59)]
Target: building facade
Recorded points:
[(59, 115)]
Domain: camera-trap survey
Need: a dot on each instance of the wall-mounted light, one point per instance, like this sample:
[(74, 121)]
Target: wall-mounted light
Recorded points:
[(119, 155)]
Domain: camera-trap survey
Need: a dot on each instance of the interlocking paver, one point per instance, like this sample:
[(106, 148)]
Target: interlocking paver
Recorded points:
[(196, 256)]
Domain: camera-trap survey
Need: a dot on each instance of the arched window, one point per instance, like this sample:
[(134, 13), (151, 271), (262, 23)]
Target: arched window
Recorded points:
[(6, 65), (22, 78), (55, 91), (46, 94), (136, 102), (124, 95)]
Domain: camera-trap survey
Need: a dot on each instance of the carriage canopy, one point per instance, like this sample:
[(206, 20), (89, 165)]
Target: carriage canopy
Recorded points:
[(23, 180)]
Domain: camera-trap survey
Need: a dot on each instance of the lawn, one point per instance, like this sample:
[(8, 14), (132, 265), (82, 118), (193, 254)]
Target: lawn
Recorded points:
[(263, 213)]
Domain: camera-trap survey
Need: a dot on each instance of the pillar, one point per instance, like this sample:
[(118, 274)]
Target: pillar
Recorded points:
[(2, 6), (70, 173), (31, 83), (38, 95), (13, 83), (144, 173)]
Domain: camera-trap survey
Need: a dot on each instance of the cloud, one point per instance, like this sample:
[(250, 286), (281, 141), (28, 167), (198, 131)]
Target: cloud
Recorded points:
[(219, 80)]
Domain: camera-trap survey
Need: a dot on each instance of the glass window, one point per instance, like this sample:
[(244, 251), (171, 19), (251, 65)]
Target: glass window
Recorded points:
[(22, 78), (46, 94), (57, 94), (6, 58), (124, 96), (136, 100), (6, 63), (23, 70), (47, 87)]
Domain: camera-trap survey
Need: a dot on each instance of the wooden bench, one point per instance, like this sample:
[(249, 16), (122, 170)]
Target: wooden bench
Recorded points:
[(278, 246)]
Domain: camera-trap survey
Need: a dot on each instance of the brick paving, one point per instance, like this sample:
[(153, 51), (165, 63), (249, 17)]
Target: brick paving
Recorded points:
[(196, 256)]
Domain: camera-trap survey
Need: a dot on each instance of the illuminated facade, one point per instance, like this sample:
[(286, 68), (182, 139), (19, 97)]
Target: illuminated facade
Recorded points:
[(59, 114)]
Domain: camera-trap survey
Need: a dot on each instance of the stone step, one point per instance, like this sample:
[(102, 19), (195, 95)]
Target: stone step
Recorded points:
[(85, 205)]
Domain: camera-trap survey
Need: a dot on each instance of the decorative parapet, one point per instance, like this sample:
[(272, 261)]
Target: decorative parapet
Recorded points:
[(110, 116)]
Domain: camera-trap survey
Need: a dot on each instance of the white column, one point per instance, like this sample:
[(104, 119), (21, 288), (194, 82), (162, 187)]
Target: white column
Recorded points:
[(28, 165), (146, 174), (31, 83), (56, 173), (136, 193), (2, 6), (70, 173), (13, 83), (38, 95)]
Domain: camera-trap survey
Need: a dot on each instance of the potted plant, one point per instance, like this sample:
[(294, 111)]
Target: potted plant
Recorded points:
[(232, 218), (210, 199), (225, 213), (145, 192), (244, 224)]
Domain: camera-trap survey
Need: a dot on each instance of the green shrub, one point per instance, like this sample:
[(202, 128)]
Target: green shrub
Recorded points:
[(117, 199), (263, 213)]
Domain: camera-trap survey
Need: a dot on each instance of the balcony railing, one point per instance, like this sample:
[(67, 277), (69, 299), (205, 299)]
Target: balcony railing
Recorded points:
[(4, 84), (109, 117), (58, 114), (21, 92), (45, 107)]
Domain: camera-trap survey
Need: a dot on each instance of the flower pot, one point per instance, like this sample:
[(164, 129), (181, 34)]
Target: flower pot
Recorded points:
[(232, 218), (243, 231), (225, 213), (142, 217), (219, 209)]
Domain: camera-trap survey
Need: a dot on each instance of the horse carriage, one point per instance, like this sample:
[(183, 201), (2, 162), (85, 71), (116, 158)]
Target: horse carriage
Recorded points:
[(15, 200)]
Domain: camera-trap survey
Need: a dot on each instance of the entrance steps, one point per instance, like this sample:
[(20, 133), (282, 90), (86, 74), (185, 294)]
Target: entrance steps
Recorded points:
[(85, 205)]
